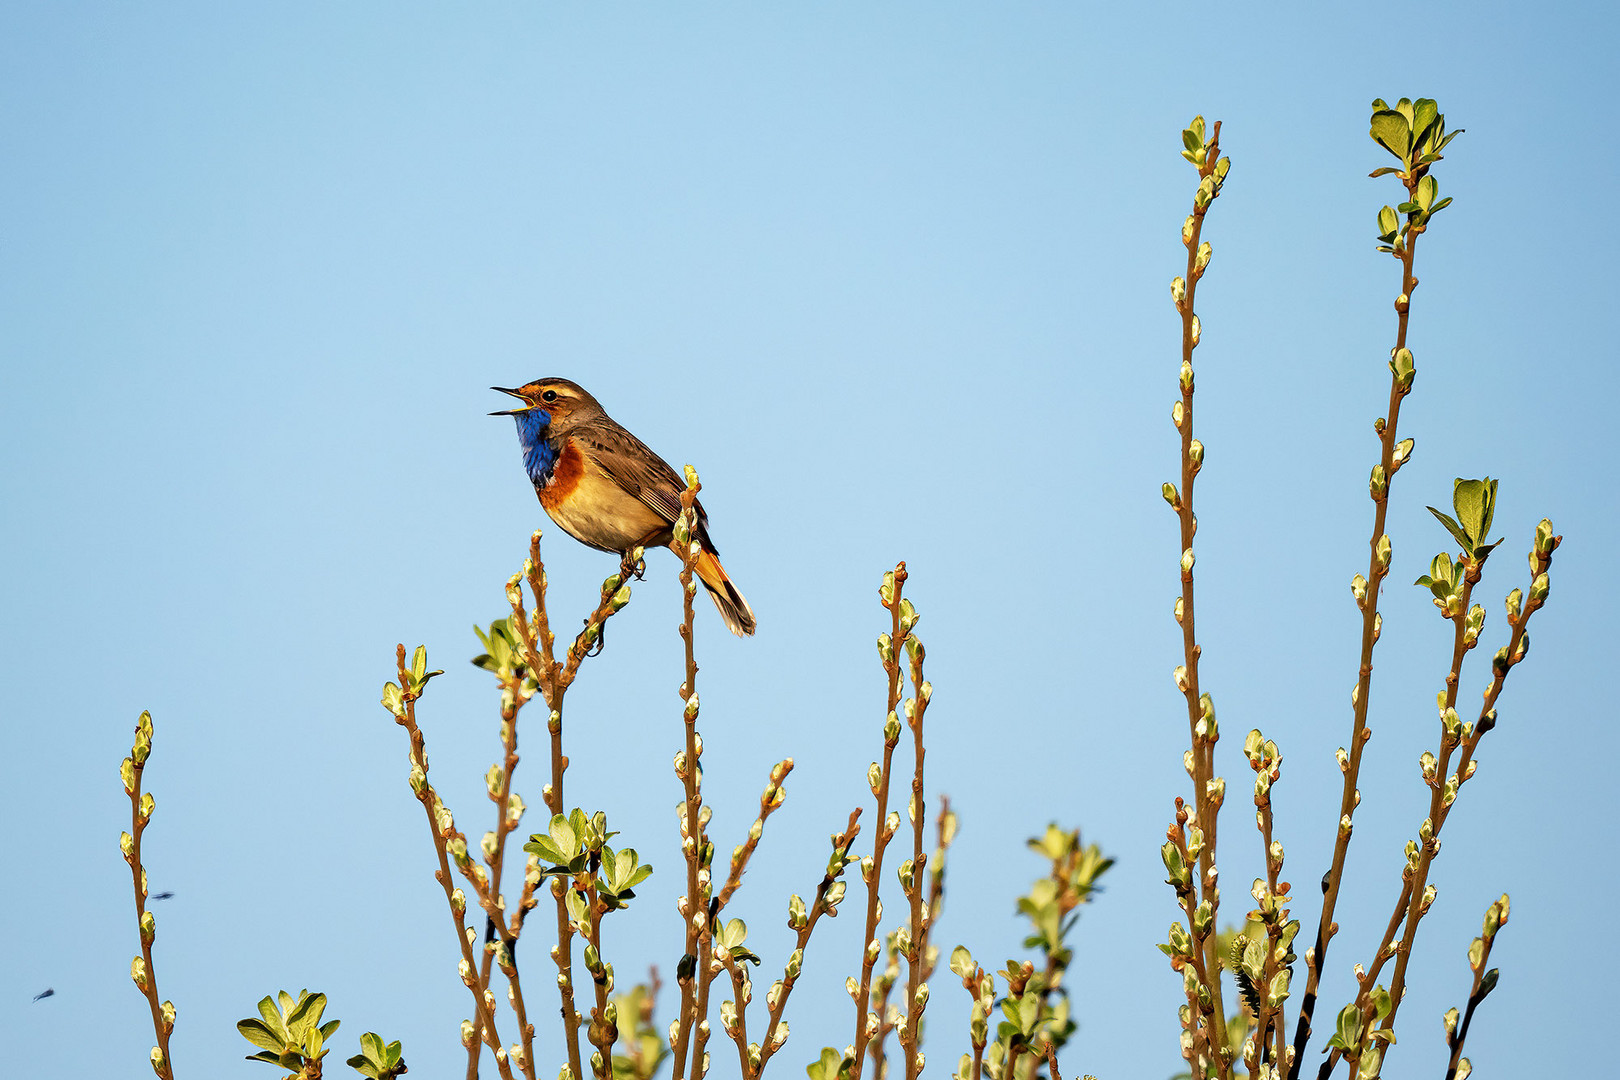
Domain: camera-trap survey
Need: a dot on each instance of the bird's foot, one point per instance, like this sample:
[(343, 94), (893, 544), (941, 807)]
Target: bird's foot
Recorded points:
[(632, 568), (601, 639)]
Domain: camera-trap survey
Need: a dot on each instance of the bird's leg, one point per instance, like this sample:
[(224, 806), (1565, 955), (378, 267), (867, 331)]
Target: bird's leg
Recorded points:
[(638, 568)]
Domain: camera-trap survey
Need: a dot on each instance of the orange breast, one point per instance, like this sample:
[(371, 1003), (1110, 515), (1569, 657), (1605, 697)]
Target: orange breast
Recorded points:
[(565, 477)]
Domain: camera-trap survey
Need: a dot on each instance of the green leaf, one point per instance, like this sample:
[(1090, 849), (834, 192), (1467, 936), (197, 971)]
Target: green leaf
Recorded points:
[(1392, 131), (1475, 503), (1427, 189), (305, 1015), (1425, 115), (273, 1019), (540, 845), (563, 836), (278, 1059), (1388, 222), (1347, 1031), (826, 1067), (1452, 527), (260, 1034)]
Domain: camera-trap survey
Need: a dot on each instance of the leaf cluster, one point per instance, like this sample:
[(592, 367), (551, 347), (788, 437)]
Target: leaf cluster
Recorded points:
[(1413, 131), (377, 1059), (574, 845), (289, 1032)]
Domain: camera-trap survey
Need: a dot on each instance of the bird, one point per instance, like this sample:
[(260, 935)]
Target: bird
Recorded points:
[(606, 488), (43, 994)]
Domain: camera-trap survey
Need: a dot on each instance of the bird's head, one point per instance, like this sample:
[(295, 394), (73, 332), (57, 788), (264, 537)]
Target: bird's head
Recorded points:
[(550, 403)]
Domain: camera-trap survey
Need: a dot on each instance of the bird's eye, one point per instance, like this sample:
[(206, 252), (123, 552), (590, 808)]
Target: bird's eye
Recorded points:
[(549, 395)]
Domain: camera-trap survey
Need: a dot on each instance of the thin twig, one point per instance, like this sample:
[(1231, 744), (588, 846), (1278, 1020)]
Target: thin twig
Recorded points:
[(514, 696), (441, 831), (1371, 624), (143, 971), (914, 946), (889, 648), (1496, 916), (692, 972), (1207, 790)]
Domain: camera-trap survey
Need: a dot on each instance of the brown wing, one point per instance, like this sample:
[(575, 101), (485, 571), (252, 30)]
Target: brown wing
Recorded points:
[(635, 468)]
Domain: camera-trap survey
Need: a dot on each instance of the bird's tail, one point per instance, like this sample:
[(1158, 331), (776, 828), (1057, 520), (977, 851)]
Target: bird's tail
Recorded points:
[(738, 616)]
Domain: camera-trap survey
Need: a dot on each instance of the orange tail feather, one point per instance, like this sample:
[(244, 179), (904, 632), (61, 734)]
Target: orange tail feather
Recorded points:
[(738, 616)]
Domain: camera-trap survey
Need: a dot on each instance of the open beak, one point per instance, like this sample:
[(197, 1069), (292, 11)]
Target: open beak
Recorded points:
[(515, 393)]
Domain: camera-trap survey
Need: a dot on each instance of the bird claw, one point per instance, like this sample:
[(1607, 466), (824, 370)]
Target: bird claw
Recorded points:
[(632, 569), (600, 642)]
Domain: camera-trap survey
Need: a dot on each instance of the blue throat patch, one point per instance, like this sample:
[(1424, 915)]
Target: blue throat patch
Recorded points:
[(539, 457)]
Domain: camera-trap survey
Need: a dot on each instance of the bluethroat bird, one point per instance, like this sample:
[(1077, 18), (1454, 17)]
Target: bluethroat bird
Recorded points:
[(606, 488)]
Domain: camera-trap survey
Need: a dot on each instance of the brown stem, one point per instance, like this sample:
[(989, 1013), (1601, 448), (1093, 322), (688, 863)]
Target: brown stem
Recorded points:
[(692, 974), (1316, 957), (484, 1017), (740, 987), (1474, 998), (841, 846), (880, 839), (916, 952), (496, 861), (602, 1033), (160, 1026), (768, 802), (1440, 809), (554, 679), (1205, 801)]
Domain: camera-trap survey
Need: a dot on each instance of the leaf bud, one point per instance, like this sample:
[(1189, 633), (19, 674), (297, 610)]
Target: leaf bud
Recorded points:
[(1545, 540), (1538, 589)]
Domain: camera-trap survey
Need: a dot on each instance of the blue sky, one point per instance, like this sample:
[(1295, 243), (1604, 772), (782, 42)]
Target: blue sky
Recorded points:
[(895, 280)]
